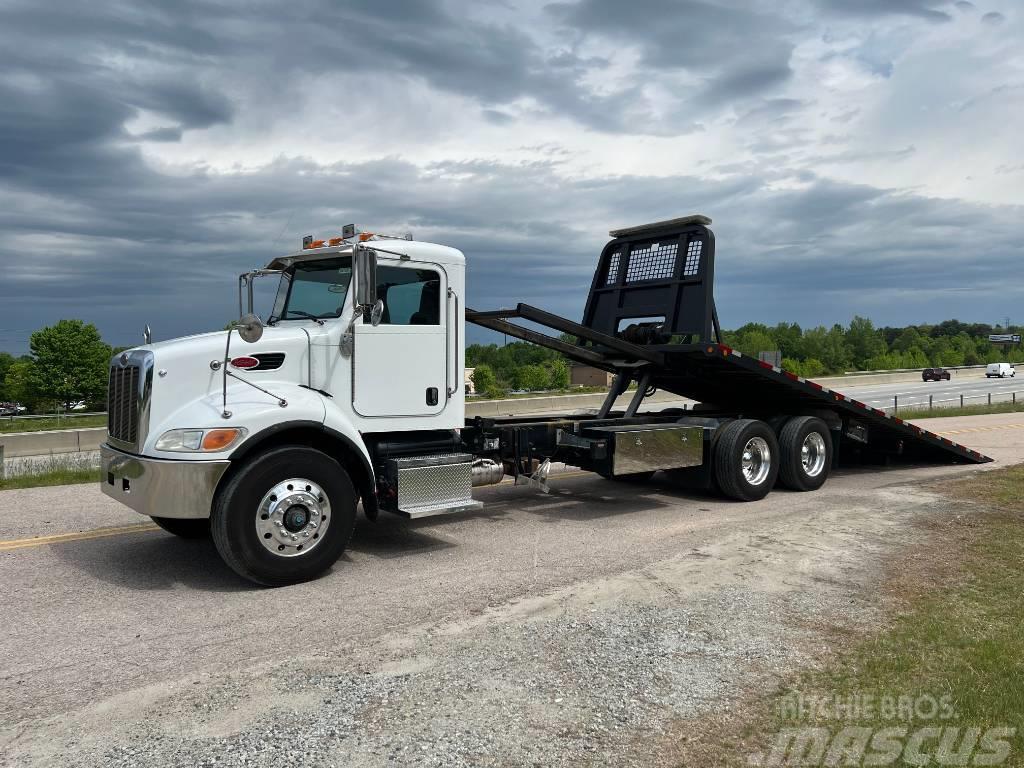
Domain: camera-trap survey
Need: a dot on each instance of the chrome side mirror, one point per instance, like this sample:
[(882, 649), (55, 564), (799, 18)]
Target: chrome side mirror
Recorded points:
[(250, 328), (377, 313), (365, 262)]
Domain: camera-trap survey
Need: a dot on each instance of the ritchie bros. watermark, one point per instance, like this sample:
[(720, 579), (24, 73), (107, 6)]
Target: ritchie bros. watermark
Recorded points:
[(919, 729)]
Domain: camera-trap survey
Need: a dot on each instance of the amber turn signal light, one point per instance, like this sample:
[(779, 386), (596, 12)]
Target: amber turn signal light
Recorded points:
[(219, 439)]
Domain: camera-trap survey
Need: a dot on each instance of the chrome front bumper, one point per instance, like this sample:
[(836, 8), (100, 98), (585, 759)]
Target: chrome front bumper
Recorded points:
[(160, 487)]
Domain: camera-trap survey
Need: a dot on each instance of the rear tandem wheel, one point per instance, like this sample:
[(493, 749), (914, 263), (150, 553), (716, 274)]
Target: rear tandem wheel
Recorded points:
[(746, 459)]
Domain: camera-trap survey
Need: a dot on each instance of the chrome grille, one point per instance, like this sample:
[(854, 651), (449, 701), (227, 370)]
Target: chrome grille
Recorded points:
[(123, 403)]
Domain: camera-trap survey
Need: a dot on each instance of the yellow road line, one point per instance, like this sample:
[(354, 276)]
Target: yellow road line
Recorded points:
[(981, 429), (99, 533), (60, 538), (574, 473)]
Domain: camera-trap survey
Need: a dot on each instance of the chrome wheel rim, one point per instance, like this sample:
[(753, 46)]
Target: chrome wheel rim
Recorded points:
[(293, 517), (757, 460), (812, 454)]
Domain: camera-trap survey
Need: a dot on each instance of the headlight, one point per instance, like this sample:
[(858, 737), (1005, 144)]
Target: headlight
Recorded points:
[(200, 440)]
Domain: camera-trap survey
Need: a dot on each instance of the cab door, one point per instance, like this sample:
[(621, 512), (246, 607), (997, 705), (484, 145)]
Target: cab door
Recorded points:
[(400, 366)]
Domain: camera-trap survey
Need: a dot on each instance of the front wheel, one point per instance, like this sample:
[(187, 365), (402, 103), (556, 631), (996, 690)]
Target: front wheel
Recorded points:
[(186, 529), (285, 517), (806, 446), (746, 456)]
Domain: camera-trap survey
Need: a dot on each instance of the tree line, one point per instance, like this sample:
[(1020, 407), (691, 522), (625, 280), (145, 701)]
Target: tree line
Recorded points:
[(860, 346), (810, 352)]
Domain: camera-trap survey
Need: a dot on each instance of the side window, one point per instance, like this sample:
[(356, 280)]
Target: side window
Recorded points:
[(410, 296)]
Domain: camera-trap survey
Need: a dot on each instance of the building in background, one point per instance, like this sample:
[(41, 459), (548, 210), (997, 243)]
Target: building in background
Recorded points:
[(588, 376)]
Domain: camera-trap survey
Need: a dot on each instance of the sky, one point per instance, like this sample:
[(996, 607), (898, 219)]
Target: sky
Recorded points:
[(856, 156)]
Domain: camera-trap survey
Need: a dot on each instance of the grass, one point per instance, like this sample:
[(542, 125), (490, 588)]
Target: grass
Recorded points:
[(914, 414), (955, 640), (46, 423), (62, 469), (959, 643)]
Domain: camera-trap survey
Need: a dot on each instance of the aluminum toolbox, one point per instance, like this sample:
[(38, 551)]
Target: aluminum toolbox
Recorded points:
[(431, 485), (650, 448)]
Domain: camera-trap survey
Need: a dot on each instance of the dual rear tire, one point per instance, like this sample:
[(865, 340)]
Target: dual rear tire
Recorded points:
[(749, 459)]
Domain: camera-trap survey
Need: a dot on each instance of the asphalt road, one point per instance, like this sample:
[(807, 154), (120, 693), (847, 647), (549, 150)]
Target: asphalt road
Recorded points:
[(973, 385), (102, 612)]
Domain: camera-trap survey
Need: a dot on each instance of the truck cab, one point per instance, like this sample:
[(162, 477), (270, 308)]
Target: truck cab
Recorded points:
[(360, 357)]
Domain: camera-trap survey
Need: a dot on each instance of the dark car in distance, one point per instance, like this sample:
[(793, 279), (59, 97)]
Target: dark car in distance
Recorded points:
[(935, 374)]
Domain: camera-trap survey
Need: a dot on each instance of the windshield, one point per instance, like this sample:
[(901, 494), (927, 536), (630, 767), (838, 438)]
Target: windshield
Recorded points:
[(313, 289)]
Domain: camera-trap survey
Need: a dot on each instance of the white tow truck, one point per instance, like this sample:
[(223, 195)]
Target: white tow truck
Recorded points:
[(268, 435)]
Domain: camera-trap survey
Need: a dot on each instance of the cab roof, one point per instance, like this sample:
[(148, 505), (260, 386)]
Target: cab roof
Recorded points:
[(386, 248)]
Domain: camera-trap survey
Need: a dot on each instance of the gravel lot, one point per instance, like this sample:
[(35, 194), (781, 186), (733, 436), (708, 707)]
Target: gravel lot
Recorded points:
[(552, 631)]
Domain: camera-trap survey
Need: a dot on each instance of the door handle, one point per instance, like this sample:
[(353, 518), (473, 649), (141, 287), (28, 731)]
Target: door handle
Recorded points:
[(431, 395)]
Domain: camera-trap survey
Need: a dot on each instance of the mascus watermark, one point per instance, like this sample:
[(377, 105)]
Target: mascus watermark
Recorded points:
[(916, 729)]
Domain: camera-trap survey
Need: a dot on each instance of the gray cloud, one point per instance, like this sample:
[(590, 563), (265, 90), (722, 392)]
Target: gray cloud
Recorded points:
[(91, 229), (817, 253), (993, 18), (738, 50), (924, 9)]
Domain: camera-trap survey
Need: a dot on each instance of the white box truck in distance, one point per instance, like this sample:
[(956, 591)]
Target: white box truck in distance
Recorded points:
[(269, 435)]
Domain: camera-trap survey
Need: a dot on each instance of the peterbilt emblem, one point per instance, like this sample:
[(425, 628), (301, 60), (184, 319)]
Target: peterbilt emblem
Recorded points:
[(124, 359)]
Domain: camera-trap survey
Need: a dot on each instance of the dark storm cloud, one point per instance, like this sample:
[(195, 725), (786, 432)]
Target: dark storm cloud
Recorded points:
[(88, 228), (814, 254), (931, 10), (736, 49), (190, 62)]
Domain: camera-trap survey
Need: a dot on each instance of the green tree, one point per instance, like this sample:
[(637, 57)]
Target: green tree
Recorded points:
[(484, 379), (70, 362), (18, 384), (787, 339), (907, 340), (6, 361), (558, 374), (753, 341), (864, 341), (533, 378)]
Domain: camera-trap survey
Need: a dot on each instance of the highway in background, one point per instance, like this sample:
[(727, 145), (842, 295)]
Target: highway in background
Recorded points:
[(971, 384)]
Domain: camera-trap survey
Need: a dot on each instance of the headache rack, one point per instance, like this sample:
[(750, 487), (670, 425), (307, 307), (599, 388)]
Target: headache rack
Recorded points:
[(650, 318)]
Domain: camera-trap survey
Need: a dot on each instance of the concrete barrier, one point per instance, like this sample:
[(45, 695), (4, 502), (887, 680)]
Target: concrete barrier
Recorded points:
[(18, 444)]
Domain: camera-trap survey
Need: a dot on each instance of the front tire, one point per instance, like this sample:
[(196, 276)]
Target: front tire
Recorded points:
[(806, 446), (186, 529), (285, 517), (746, 456)]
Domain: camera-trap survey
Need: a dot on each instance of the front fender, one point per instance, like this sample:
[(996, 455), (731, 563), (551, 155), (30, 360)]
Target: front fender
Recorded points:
[(342, 442)]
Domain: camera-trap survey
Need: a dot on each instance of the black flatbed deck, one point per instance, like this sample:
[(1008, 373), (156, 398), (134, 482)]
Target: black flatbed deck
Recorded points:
[(659, 277), (730, 381)]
